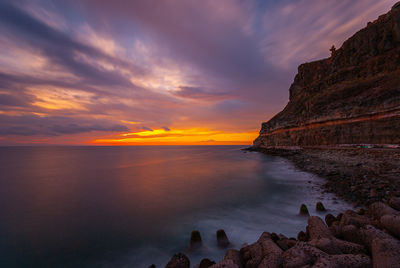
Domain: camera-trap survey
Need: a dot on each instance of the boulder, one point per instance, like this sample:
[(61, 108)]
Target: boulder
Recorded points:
[(321, 237), (205, 263), (304, 210), (305, 255), (225, 264), (329, 219), (352, 218), (352, 234), (195, 241), (384, 248), (302, 236), (178, 261), (222, 239), (361, 211), (336, 229), (234, 255), (320, 207), (394, 202), (285, 243), (379, 209), (263, 253), (392, 224)]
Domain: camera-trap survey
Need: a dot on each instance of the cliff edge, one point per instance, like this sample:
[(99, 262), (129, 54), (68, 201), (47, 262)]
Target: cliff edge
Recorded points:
[(353, 97)]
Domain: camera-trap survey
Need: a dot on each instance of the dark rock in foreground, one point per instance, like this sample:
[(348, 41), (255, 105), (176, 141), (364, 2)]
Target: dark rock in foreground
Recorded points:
[(356, 241), (222, 239), (195, 241), (304, 210), (320, 207), (205, 263), (179, 261)]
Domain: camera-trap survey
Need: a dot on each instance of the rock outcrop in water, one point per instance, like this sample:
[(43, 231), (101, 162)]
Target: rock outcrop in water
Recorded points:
[(353, 97), (367, 238)]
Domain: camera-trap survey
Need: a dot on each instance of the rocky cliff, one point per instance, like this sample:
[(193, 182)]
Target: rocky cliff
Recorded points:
[(353, 97)]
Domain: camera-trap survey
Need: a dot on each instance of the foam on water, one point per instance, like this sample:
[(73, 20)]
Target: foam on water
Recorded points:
[(277, 211)]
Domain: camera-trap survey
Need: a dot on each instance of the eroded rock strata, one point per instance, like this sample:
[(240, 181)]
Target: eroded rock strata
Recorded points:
[(353, 97)]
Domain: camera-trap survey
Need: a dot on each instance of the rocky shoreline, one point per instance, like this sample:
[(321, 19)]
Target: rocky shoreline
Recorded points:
[(360, 176), (367, 237)]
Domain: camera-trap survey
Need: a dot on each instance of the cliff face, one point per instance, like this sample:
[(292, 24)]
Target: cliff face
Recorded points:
[(353, 97)]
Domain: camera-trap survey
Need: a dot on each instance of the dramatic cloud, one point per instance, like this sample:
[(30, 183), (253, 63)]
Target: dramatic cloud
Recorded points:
[(200, 94), (147, 128), (95, 70), (31, 125)]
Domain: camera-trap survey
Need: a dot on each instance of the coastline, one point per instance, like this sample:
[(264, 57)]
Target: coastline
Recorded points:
[(366, 177), (360, 176)]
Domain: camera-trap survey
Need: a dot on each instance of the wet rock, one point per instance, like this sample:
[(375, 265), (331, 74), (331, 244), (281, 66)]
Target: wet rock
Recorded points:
[(394, 202), (320, 207), (392, 224), (225, 264), (263, 252), (305, 255), (301, 255), (285, 243), (352, 234), (235, 257), (372, 193), (384, 248), (361, 211), (205, 263), (304, 210), (274, 237), (222, 239), (335, 229), (195, 240), (351, 217), (302, 236), (329, 219), (178, 261), (321, 238), (379, 209)]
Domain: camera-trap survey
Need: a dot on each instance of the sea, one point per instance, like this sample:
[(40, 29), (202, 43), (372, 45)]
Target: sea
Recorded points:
[(133, 206)]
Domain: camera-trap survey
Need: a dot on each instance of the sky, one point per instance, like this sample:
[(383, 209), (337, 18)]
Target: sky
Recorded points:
[(159, 72)]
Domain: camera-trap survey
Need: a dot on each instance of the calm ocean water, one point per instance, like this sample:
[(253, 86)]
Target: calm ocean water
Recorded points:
[(134, 206)]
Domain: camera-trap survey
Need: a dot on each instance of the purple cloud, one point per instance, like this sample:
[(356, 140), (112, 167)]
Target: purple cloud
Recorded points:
[(31, 125), (224, 65), (147, 128)]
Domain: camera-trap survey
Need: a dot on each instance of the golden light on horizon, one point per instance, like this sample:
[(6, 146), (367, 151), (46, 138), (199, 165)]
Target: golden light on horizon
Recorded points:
[(192, 136)]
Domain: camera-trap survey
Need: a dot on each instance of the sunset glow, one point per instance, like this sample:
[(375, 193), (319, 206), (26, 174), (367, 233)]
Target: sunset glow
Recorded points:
[(179, 137), (117, 73)]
